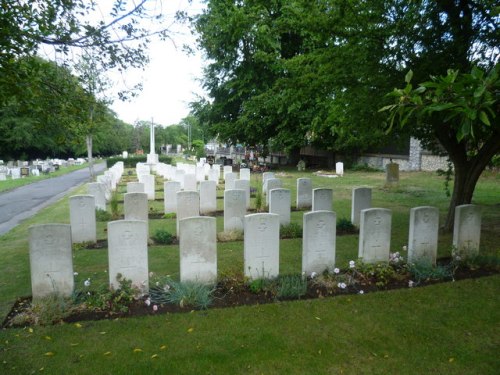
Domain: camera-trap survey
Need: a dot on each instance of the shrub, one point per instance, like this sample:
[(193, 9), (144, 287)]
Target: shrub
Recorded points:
[(291, 286), (163, 237), (113, 204), (45, 311), (103, 215), (345, 226), (259, 200), (184, 294), (424, 271), (292, 230), (132, 161)]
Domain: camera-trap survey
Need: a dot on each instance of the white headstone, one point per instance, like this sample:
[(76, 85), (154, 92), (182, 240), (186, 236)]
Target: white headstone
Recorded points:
[(423, 237), (82, 218), (467, 230), (272, 183), (318, 241), (361, 200), (227, 169), (125, 154), (208, 197), (135, 187), (188, 205), (179, 177), (198, 249), (339, 168), (322, 199), (375, 235), (245, 174), (229, 179), (234, 209), (261, 246), (190, 182), (135, 206), (98, 190), (266, 176), (3, 176), (170, 189), (51, 260), (244, 185), (200, 173), (149, 186), (213, 175), (304, 193), (128, 252), (280, 204)]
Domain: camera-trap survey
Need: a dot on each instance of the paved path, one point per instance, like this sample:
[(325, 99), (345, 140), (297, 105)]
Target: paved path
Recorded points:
[(25, 201)]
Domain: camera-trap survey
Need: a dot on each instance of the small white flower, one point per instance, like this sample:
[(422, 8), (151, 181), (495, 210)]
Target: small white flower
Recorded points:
[(157, 283), (151, 274), (405, 248), (336, 270), (155, 307), (166, 288), (148, 302), (341, 285), (411, 284), (313, 275), (361, 292), (75, 273), (88, 293), (352, 264), (87, 282)]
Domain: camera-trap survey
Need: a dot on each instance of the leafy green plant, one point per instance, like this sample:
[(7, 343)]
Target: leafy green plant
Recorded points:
[(163, 237), (102, 215), (424, 271), (292, 230), (345, 226), (184, 294), (259, 200), (113, 204), (48, 310), (291, 286), (381, 273), (170, 215), (262, 285)]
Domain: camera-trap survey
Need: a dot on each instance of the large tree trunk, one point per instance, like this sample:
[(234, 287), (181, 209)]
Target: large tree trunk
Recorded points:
[(88, 140)]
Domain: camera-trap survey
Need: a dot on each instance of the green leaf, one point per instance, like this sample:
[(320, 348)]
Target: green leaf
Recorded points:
[(484, 118), (409, 76), (479, 91)]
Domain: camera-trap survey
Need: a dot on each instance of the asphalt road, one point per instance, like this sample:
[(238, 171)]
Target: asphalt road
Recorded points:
[(25, 201)]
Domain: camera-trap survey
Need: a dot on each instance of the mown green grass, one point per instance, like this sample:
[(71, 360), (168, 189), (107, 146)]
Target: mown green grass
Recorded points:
[(448, 328)]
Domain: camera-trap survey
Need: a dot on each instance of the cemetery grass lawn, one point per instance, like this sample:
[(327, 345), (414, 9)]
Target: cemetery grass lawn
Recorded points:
[(449, 328)]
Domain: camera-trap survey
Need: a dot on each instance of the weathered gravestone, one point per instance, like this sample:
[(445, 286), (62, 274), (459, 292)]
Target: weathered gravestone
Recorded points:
[(244, 185), (82, 218), (280, 204), (234, 210), (135, 187), (170, 189), (375, 235), (261, 246), (423, 236), (245, 174), (190, 182), (51, 260), (188, 205), (318, 241), (266, 176), (213, 175), (149, 186), (361, 200), (304, 193), (467, 230), (179, 177), (135, 206), (229, 179), (198, 249), (322, 199), (339, 168), (128, 252), (98, 190), (392, 173), (227, 169), (272, 183), (208, 197)]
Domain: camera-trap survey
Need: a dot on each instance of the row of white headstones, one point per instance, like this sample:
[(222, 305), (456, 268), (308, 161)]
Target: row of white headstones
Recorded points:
[(51, 254)]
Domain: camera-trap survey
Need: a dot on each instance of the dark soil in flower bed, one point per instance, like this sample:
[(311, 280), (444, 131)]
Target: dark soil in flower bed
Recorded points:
[(226, 296)]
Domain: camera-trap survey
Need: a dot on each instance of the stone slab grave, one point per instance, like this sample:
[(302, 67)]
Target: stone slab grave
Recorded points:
[(198, 249), (318, 241), (208, 197), (51, 260), (266, 176), (245, 174), (188, 205), (467, 230), (339, 168), (229, 179), (213, 175), (149, 186), (423, 236), (244, 185), (82, 218), (103, 180), (234, 210), (304, 193), (227, 169), (200, 173), (280, 204), (128, 252), (272, 183), (135, 187), (179, 177), (375, 235), (190, 182), (322, 199), (261, 245), (170, 189), (392, 173), (98, 190), (361, 200), (135, 206)]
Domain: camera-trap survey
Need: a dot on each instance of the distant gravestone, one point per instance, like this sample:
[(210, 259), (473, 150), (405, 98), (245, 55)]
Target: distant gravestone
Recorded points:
[(15, 173), (392, 173), (3, 176), (170, 189), (188, 205), (200, 173), (179, 177), (304, 193), (375, 235), (135, 206), (135, 187), (244, 185), (82, 218), (128, 252), (51, 260), (227, 169), (149, 186), (261, 246), (190, 182), (272, 183), (234, 210), (339, 168), (213, 175), (125, 154), (245, 174), (361, 200), (208, 197), (198, 249), (467, 230), (322, 199), (98, 190), (423, 237), (318, 241), (229, 179), (266, 176), (280, 204)]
